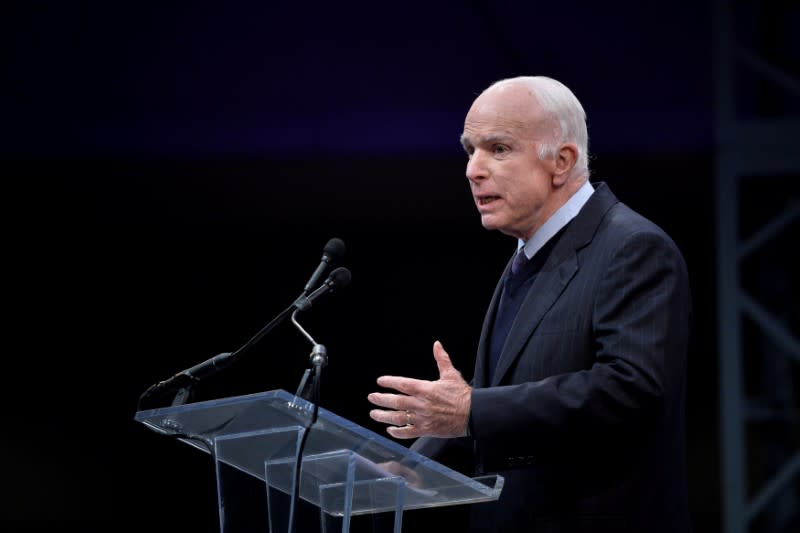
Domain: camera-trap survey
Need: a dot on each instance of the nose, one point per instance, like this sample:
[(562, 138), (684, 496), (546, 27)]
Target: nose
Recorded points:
[(476, 168)]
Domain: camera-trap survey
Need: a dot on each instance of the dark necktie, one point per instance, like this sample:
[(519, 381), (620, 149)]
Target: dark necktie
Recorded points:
[(519, 261), (510, 300), (517, 272), (519, 280)]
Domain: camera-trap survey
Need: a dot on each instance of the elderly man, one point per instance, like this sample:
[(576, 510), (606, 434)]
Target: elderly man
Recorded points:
[(579, 385)]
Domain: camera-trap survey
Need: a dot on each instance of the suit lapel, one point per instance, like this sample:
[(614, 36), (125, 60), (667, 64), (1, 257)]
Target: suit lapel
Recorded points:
[(479, 376), (546, 288), (559, 269)]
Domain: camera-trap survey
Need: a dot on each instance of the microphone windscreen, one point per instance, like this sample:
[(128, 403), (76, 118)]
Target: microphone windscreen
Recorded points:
[(340, 277), (334, 248)]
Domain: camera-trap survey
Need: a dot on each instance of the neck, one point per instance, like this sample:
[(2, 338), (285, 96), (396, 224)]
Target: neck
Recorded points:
[(558, 197)]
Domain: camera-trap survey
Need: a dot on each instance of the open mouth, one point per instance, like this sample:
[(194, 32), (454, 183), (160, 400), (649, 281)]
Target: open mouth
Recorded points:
[(484, 200)]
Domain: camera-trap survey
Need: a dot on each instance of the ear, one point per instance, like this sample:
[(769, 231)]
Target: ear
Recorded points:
[(565, 160)]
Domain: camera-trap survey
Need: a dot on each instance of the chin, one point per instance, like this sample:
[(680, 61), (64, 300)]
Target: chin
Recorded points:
[(494, 225), (490, 221)]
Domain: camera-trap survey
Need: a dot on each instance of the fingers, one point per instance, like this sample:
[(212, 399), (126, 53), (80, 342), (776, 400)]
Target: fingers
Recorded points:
[(393, 467), (399, 402), (395, 418), (382, 399), (397, 406), (446, 368), (423, 407), (409, 386), (404, 432), (417, 387)]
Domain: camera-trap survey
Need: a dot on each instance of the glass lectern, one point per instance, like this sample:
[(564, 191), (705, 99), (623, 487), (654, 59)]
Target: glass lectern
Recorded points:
[(346, 470)]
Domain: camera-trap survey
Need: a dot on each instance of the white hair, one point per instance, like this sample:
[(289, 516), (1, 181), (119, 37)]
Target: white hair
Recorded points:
[(563, 107)]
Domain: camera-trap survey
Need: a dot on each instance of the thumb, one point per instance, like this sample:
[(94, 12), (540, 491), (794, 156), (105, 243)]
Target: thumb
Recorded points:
[(446, 368)]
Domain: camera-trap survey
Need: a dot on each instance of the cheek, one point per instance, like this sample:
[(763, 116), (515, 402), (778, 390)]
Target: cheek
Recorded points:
[(534, 191), (520, 192)]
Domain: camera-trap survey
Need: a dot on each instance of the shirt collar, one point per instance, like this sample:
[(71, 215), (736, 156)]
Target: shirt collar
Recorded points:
[(558, 220)]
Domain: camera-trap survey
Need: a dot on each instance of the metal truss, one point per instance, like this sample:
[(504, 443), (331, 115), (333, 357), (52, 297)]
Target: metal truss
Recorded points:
[(755, 145)]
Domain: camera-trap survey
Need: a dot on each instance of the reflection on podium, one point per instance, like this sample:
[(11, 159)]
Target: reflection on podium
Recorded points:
[(346, 470)]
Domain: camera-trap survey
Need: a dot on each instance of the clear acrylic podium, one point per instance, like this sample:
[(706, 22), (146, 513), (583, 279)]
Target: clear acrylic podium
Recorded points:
[(346, 470)]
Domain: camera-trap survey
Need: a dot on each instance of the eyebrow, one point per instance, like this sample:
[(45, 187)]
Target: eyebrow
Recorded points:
[(486, 139)]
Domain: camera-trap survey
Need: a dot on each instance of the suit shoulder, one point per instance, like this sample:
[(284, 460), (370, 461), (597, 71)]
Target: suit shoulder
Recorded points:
[(623, 231), (621, 223)]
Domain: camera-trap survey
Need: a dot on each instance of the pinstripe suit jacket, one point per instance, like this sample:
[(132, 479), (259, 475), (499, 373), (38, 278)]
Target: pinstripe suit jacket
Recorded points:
[(585, 415)]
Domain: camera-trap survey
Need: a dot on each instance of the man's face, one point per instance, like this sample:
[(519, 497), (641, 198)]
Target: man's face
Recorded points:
[(510, 185)]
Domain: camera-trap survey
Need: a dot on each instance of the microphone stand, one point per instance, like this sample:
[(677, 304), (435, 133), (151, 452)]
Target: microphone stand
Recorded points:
[(318, 359), (183, 381)]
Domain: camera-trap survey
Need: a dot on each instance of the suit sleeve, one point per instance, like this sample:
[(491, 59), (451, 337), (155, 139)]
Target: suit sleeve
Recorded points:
[(640, 320)]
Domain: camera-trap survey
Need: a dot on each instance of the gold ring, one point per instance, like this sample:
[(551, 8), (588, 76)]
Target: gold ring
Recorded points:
[(408, 419)]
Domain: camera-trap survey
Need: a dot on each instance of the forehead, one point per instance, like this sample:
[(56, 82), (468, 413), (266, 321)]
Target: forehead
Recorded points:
[(481, 131), (510, 111)]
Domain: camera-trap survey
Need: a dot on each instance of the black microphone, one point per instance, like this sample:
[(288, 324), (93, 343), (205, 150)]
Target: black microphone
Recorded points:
[(332, 251), (188, 377), (338, 279)]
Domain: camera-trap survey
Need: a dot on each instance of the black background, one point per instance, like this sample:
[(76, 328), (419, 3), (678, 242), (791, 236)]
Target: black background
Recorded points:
[(173, 172)]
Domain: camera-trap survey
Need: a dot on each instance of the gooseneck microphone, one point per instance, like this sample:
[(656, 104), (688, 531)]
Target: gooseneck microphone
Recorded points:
[(185, 379), (338, 279), (181, 383), (333, 251)]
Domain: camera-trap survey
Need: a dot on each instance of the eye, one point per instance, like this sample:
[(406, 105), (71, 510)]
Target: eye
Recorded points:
[(469, 150), (499, 149)]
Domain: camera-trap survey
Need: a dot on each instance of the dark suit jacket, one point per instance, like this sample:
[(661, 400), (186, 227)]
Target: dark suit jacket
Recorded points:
[(585, 415)]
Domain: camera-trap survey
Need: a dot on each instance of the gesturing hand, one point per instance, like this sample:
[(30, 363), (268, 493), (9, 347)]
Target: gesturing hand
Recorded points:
[(435, 408)]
